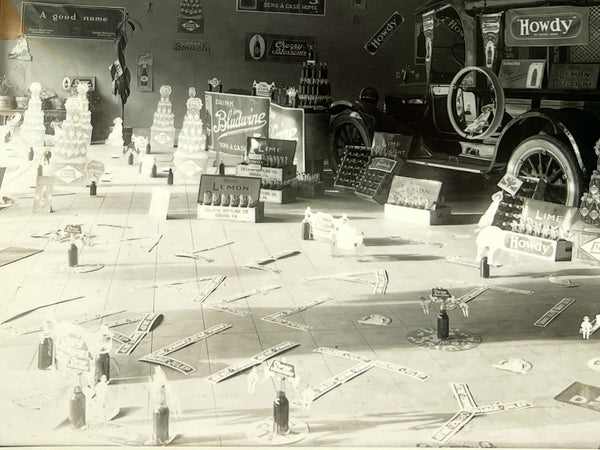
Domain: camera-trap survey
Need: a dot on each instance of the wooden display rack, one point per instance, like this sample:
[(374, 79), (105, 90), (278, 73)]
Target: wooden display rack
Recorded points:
[(239, 214), (417, 216)]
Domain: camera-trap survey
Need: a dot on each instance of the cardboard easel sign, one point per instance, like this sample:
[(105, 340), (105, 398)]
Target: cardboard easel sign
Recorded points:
[(159, 204), (425, 193), (391, 145), (283, 148), (42, 201), (228, 185)]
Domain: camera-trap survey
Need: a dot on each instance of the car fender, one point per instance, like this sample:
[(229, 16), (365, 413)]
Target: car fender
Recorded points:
[(531, 123)]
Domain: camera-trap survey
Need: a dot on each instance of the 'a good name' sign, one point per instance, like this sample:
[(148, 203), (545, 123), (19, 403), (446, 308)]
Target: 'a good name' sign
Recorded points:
[(70, 21)]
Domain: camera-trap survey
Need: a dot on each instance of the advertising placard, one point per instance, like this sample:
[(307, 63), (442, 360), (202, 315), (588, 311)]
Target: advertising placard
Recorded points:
[(538, 213), (547, 26), (574, 76), (235, 117), (522, 73), (580, 394), (275, 147), (307, 7), (145, 72), (426, 191), (391, 145), (70, 21), (278, 48), (221, 184), (384, 33), (288, 123)]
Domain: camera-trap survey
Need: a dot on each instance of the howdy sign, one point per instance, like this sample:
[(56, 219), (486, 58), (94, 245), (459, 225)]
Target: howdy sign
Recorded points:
[(529, 244), (547, 26), (384, 33)]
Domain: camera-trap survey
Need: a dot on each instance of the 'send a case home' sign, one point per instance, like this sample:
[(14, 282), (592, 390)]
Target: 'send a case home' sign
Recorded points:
[(309, 7), (70, 21)]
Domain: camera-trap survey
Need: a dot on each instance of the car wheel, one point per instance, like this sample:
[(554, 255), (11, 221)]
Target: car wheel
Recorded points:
[(551, 160), (346, 130)]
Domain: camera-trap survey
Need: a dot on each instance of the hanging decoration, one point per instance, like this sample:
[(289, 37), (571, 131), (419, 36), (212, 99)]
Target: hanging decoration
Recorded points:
[(21, 49)]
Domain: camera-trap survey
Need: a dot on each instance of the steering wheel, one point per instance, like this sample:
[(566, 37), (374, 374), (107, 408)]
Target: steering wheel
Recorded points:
[(489, 99)]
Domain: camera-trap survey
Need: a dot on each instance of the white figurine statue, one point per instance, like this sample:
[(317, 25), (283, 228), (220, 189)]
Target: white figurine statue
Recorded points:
[(586, 327), (116, 135)]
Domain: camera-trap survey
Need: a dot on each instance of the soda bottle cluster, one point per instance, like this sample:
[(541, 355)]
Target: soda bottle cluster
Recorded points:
[(589, 208), (509, 216), (315, 88), (228, 200)]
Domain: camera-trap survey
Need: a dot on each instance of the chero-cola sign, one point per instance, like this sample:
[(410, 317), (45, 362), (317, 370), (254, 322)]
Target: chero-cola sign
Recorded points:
[(545, 26)]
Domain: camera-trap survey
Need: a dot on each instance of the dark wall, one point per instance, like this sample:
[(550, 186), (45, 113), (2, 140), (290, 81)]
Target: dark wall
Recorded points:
[(341, 35)]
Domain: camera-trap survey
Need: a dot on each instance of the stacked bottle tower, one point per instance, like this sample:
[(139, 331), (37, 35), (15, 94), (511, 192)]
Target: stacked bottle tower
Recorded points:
[(315, 88)]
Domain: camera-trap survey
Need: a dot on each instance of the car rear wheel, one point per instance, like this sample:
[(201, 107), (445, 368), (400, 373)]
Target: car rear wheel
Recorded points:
[(346, 130), (548, 159)]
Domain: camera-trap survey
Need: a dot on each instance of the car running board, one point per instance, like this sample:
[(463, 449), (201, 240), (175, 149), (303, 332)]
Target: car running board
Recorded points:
[(458, 163)]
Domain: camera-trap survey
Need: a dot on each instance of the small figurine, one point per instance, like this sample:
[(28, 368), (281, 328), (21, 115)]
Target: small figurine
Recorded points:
[(586, 327)]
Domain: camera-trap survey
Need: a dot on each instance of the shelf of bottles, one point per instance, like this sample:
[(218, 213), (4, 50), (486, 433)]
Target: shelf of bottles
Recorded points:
[(315, 89)]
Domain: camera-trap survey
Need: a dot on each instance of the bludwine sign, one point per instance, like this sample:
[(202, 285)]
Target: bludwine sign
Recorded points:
[(541, 27)]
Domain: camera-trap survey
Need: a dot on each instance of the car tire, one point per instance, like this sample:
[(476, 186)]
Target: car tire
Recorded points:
[(550, 159), (346, 130)]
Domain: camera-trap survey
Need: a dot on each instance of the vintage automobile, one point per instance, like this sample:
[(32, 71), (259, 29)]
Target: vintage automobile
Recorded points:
[(509, 86)]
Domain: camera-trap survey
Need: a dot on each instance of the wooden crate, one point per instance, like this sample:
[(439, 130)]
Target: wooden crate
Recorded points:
[(280, 174), (437, 216), (287, 195)]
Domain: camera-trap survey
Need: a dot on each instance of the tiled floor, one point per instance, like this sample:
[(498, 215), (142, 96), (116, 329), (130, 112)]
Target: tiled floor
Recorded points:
[(377, 408)]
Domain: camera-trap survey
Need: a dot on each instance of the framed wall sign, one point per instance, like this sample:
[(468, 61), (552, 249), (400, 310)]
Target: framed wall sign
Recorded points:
[(306, 7), (70, 21)]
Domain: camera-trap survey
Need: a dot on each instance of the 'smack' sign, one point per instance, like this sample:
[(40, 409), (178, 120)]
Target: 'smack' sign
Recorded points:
[(547, 26), (384, 33)]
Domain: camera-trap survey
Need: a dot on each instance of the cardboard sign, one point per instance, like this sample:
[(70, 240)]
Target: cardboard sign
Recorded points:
[(42, 201), (574, 76), (510, 184), (305, 7), (234, 117), (539, 213), (266, 47), (547, 26), (522, 73), (70, 21), (384, 33), (159, 204), (222, 184), (425, 192), (583, 395), (288, 123), (391, 145), (282, 368), (185, 45), (93, 171), (275, 147)]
